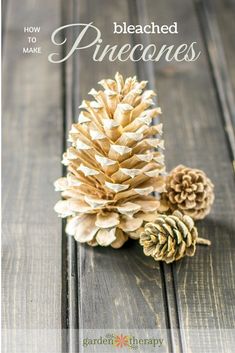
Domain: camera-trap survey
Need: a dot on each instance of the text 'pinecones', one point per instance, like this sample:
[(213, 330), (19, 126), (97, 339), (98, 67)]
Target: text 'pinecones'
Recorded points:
[(169, 238), (190, 191), (114, 164)]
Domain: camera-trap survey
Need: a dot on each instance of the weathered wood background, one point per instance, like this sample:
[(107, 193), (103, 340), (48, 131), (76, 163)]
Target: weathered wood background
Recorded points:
[(49, 283)]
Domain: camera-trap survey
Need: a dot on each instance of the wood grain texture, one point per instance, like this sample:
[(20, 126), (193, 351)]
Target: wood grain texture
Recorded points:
[(225, 14), (118, 289), (219, 67), (4, 15), (195, 136), (32, 141)]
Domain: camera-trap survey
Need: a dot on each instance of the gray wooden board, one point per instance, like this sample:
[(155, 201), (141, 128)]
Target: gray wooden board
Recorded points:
[(139, 15), (195, 136), (4, 15), (32, 145), (118, 289), (225, 13), (220, 71)]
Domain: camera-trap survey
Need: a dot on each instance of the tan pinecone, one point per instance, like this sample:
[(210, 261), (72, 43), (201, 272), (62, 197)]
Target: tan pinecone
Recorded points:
[(113, 164), (190, 191), (170, 237)]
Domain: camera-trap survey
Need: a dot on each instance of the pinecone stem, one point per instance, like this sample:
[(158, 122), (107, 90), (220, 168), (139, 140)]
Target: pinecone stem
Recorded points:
[(203, 241)]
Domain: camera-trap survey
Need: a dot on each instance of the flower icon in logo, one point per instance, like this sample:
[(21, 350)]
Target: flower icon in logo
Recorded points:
[(121, 341)]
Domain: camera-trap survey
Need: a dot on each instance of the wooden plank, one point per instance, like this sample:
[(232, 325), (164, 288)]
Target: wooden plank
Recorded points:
[(225, 13), (194, 136), (4, 15), (32, 146), (139, 15), (219, 69), (118, 289)]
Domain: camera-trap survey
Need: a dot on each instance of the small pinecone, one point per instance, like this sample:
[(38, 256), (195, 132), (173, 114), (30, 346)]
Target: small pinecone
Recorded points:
[(169, 238), (190, 191)]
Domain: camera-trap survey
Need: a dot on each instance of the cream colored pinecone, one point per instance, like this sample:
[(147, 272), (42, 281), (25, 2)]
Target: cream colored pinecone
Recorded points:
[(114, 164), (190, 191), (170, 237)]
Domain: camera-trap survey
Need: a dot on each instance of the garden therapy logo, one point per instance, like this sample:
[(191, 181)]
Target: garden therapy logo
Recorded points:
[(122, 341)]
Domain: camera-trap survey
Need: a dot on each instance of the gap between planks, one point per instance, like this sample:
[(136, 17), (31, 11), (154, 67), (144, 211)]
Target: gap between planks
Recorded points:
[(70, 279)]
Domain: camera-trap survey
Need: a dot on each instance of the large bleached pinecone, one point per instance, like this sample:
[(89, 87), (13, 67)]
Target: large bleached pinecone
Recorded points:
[(170, 237), (190, 191), (114, 164)]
